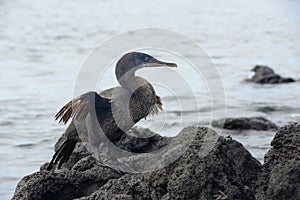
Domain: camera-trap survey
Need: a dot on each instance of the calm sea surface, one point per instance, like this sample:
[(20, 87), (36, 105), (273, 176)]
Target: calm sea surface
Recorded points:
[(43, 44)]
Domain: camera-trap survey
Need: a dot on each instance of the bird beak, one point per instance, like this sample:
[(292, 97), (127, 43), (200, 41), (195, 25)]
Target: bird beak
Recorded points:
[(170, 64), (158, 63)]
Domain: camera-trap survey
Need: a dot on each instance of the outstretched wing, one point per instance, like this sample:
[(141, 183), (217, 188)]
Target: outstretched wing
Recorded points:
[(79, 108)]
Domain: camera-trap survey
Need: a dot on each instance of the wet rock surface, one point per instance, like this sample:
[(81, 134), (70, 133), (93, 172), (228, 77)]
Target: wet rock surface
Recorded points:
[(280, 178), (245, 123), (266, 75), (211, 166)]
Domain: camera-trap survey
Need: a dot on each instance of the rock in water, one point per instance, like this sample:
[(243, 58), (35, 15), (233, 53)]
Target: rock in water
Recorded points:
[(281, 171), (211, 167), (245, 123), (266, 75)]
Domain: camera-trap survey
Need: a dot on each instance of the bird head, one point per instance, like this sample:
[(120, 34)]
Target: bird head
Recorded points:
[(133, 61)]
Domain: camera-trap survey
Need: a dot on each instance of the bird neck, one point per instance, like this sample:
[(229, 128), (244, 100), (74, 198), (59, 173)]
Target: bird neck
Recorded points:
[(132, 82), (125, 75)]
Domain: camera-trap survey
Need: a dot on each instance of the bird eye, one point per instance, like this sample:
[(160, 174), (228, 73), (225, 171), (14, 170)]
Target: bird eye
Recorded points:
[(147, 59)]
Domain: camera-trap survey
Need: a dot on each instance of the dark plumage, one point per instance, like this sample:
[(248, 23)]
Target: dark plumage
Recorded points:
[(115, 110), (266, 75)]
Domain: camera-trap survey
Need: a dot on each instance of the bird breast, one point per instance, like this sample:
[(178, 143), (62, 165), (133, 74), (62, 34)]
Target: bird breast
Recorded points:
[(130, 107)]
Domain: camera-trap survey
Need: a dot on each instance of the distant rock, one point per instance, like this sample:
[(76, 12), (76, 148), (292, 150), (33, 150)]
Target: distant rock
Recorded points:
[(245, 123), (212, 167), (281, 171), (266, 75)]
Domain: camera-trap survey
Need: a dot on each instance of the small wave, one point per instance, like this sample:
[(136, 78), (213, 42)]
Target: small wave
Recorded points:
[(179, 112), (45, 141), (261, 147), (270, 109), (295, 115), (8, 178), (27, 145), (42, 74), (63, 37), (17, 100), (7, 123)]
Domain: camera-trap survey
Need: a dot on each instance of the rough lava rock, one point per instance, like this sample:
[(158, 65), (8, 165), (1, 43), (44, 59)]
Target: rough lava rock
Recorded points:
[(245, 123), (281, 170), (65, 184), (266, 75), (211, 167)]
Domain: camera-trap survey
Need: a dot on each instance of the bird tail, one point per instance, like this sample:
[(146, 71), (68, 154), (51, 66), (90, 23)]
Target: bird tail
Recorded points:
[(63, 154)]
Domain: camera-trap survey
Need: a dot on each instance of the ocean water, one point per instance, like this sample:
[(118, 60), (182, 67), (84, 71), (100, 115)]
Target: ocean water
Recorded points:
[(44, 43)]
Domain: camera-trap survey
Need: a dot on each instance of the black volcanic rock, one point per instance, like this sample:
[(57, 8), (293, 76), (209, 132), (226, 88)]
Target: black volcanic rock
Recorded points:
[(65, 184), (266, 75), (245, 123), (210, 167), (281, 171)]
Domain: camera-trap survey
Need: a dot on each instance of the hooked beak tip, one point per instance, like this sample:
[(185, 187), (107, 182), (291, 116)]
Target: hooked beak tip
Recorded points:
[(171, 64)]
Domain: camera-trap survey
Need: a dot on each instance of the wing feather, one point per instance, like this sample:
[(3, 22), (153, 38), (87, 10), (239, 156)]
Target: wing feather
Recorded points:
[(79, 107)]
